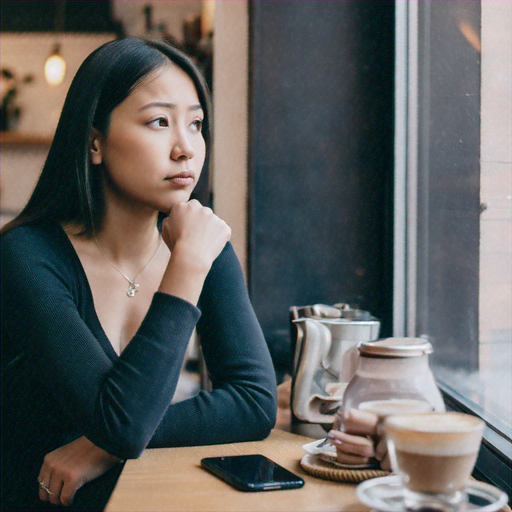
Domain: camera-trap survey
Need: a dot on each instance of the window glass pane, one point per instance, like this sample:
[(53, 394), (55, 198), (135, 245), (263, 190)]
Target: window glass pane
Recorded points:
[(464, 270)]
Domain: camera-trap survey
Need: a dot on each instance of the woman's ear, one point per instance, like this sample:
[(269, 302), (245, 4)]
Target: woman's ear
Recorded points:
[(95, 147)]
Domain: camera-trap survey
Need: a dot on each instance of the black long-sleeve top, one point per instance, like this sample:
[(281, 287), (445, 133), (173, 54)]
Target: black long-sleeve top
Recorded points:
[(61, 378)]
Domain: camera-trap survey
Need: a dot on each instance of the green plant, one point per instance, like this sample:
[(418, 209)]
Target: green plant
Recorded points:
[(10, 111)]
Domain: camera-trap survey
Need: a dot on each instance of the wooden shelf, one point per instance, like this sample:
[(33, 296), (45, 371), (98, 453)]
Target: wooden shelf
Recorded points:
[(24, 139)]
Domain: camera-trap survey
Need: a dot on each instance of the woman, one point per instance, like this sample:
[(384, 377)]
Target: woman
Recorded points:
[(97, 310)]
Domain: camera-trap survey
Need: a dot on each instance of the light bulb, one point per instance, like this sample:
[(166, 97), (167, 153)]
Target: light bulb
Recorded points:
[(55, 68)]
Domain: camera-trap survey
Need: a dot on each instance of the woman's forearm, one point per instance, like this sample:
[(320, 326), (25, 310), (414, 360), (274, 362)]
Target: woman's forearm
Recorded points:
[(195, 236), (184, 276), (243, 403)]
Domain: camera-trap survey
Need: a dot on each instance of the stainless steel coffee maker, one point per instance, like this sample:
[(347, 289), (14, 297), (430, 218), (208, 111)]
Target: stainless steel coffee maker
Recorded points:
[(325, 358)]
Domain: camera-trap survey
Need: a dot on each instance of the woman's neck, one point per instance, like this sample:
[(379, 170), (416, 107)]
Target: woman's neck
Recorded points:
[(128, 233)]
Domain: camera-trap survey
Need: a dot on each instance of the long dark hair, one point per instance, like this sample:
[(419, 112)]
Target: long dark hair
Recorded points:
[(69, 188)]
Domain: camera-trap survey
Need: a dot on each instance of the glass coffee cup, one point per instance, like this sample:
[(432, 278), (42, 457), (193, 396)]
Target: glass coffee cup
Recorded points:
[(434, 453)]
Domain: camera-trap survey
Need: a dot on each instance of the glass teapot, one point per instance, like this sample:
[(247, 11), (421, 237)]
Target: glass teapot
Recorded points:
[(392, 376)]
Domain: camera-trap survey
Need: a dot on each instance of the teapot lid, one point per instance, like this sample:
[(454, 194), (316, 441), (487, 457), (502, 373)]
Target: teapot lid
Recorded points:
[(396, 347)]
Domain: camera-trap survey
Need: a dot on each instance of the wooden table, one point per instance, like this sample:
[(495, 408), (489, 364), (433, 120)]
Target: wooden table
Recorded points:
[(171, 479)]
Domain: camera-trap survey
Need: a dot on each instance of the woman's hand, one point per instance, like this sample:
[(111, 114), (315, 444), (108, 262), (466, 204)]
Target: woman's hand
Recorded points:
[(361, 440), (194, 230), (195, 237), (69, 467)]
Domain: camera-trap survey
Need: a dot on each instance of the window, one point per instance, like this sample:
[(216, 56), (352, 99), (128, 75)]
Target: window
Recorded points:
[(453, 233)]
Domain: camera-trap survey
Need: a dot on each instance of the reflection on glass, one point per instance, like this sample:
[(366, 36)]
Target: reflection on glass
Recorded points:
[(464, 293)]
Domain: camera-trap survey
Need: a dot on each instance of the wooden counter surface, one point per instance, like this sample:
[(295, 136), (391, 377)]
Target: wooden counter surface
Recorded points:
[(171, 479)]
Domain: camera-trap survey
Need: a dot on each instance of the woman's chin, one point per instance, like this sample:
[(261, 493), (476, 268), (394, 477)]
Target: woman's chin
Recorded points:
[(167, 206)]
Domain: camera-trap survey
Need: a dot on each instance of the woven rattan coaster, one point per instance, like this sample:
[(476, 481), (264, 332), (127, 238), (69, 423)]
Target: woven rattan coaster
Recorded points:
[(319, 468)]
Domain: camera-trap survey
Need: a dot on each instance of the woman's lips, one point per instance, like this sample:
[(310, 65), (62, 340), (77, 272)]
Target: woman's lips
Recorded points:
[(183, 179)]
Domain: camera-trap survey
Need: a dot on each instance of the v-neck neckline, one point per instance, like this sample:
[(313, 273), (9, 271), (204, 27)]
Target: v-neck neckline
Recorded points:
[(104, 340)]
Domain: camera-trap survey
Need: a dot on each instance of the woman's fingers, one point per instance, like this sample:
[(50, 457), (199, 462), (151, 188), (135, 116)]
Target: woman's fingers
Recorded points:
[(50, 489), (44, 484), (68, 491), (382, 454), (58, 491), (352, 445), (50, 485), (362, 437), (345, 458), (381, 450), (43, 493), (360, 422), (55, 489)]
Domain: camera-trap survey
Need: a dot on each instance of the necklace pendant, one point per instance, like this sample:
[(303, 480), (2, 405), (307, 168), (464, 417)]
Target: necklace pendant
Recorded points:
[(132, 289)]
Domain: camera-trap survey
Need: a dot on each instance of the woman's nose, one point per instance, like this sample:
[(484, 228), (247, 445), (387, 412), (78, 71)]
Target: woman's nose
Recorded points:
[(182, 148)]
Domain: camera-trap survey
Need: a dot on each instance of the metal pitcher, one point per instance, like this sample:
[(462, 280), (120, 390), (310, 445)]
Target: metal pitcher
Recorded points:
[(325, 357)]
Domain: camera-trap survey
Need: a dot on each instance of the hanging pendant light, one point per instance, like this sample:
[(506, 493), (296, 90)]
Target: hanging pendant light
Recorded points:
[(55, 65)]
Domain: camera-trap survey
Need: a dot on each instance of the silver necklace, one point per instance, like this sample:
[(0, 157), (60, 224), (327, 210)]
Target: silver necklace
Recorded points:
[(133, 287)]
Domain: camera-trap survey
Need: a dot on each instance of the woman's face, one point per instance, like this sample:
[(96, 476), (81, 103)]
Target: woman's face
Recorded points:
[(153, 151)]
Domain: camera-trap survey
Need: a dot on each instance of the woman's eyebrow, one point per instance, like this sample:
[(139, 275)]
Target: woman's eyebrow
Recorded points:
[(169, 106)]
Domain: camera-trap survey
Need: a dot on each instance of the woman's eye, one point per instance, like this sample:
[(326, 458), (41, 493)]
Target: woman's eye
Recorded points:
[(197, 125), (160, 122)]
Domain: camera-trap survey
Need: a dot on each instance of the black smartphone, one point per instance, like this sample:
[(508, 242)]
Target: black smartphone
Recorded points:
[(252, 473)]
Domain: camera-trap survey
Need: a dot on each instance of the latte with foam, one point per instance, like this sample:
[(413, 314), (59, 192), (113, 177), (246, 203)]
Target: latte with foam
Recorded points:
[(435, 473), (435, 452)]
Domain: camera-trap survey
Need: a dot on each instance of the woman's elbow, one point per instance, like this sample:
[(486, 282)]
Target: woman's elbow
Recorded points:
[(127, 443), (266, 428), (129, 450), (272, 413), (267, 414)]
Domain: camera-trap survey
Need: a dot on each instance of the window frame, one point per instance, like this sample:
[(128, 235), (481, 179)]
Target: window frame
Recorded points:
[(495, 458)]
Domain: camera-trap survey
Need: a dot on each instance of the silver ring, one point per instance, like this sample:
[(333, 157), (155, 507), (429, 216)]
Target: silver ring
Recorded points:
[(43, 486)]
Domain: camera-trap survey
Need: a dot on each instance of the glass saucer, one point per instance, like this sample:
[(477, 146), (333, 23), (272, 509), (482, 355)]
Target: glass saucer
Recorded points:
[(319, 447), (385, 494), (326, 451)]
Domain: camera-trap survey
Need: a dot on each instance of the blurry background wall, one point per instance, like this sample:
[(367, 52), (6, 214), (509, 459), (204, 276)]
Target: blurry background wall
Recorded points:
[(321, 159), (27, 38)]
